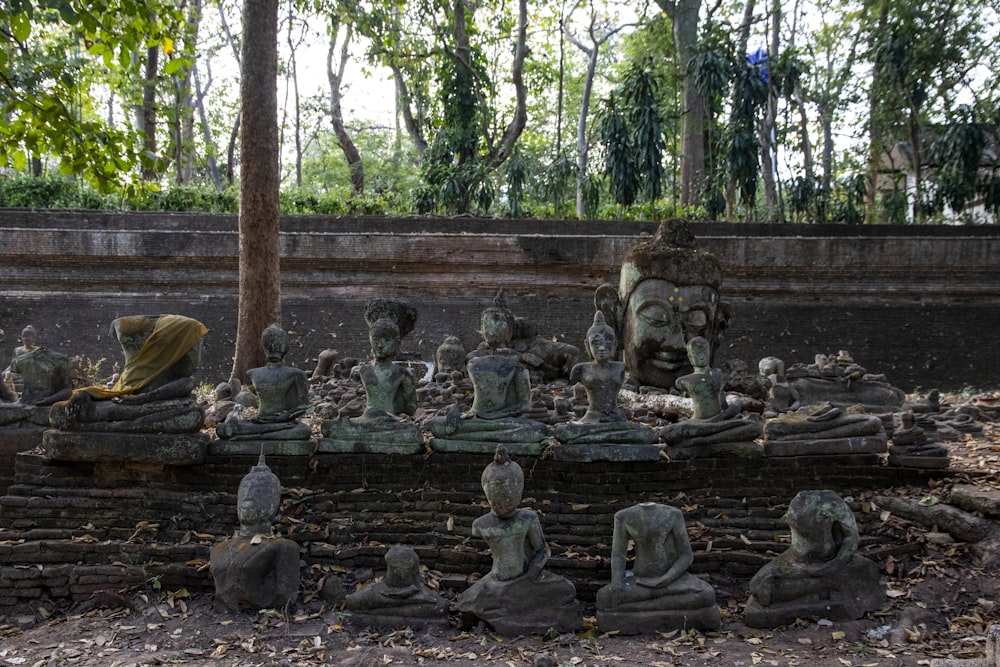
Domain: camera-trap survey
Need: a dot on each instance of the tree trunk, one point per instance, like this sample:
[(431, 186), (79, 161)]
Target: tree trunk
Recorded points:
[(874, 140), (684, 15), (741, 49), (147, 112), (296, 104), (404, 101), (768, 134), (582, 145), (520, 119), (206, 128), (354, 162), (259, 243)]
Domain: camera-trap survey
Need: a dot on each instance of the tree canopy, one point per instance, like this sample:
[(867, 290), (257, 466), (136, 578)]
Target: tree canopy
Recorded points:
[(850, 111)]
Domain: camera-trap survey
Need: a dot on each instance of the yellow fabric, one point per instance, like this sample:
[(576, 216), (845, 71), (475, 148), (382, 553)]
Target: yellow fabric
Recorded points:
[(173, 336)]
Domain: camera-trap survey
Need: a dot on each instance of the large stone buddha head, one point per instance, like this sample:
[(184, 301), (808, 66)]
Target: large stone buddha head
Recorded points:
[(667, 294)]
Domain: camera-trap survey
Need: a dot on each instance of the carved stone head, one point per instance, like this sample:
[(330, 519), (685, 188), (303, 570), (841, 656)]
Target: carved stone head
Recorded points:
[(667, 293)]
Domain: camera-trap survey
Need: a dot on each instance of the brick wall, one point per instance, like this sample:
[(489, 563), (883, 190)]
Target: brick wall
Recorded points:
[(921, 304)]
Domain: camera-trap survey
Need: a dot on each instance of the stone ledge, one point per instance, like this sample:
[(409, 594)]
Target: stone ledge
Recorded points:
[(868, 444), (154, 449)]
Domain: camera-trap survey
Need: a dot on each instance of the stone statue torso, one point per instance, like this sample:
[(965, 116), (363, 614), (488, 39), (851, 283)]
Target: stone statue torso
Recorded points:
[(501, 386)]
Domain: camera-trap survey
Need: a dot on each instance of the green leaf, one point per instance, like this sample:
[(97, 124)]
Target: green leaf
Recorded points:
[(68, 14), (20, 26), (176, 65), (20, 160)]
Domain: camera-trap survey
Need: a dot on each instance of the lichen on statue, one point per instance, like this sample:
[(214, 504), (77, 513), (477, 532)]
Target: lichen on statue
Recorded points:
[(641, 600), (517, 595), (282, 393), (602, 379), (45, 379), (153, 394), (714, 421), (502, 391), (667, 293), (821, 573), (390, 393)]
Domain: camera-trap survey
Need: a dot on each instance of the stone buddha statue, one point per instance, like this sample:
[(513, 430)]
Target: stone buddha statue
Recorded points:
[(517, 596), (282, 394), (255, 570), (602, 378), (501, 390), (823, 429), (658, 593), (153, 394), (45, 379), (821, 573), (390, 396), (911, 447), (668, 292), (715, 426), (838, 380), (401, 598)]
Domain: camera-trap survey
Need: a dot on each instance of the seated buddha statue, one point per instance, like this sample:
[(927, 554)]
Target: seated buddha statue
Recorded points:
[(658, 593), (154, 392), (501, 390), (282, 394), (602, 378)]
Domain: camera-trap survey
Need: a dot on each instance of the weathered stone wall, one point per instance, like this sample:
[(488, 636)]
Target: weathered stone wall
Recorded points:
[(70, 530), (921, 304)]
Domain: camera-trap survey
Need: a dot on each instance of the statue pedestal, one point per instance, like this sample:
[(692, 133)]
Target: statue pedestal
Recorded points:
[(740, 450), (253, 447), (366, 620), (180, 449), (590, 453), (928, 462), (866, 444), (651, 622), (487, 447), (851, 607), (384, 444)]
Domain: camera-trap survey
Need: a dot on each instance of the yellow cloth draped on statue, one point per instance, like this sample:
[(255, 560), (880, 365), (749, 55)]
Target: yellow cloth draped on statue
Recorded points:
[(173, 336)]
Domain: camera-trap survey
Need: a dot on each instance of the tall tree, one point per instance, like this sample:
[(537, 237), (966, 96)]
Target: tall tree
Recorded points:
[(259, 243), (335, 77), (685, 14), (598, 32)]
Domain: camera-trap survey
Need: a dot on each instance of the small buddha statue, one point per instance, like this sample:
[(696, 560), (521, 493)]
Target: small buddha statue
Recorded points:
[(45, 379), (602, 378), (401, 598), (282, 394), (517, 596), (714, 421), (912, 448), (658, 593), (501, 391), (821, 573), (390, 395), (255, 570), (450, 358), (154, 392)]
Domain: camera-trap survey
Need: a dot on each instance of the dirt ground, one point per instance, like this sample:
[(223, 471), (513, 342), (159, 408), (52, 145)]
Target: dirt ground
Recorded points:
[(939, 605)]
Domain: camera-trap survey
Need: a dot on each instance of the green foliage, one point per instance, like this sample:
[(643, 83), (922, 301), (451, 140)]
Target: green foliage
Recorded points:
[(517, 175), (957, 153), (47, 68), (619, 163), (51, 192)]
